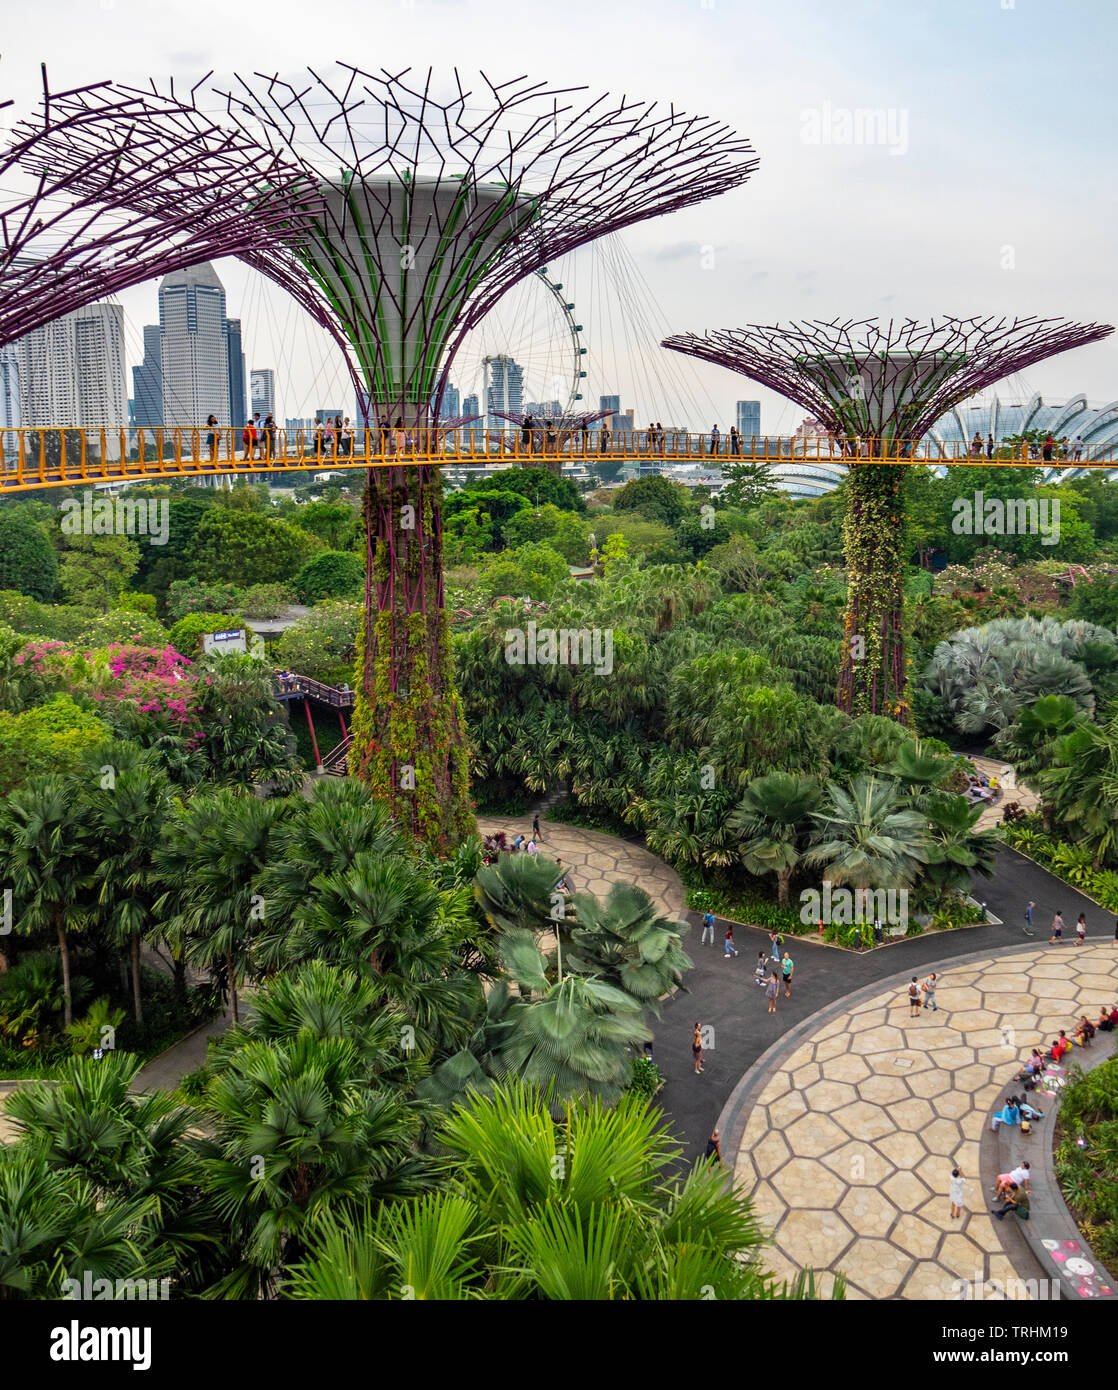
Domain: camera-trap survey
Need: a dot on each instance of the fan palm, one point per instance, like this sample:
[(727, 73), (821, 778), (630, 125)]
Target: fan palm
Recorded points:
[(956, 851), (626, 943), (772, 822), (867, 837)]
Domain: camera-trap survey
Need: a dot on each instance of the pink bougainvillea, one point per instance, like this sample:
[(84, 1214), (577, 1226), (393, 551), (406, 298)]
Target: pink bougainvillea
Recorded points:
[(156, 680)]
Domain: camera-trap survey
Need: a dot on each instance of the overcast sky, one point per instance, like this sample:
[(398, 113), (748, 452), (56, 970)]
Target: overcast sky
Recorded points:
[(993, 191)]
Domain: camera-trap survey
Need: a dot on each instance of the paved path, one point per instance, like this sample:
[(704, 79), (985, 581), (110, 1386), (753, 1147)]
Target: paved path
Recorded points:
[(596, 860), (847, 1132)]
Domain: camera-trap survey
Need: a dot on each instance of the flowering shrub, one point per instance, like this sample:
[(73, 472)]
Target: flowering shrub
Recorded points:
[(154, 681)]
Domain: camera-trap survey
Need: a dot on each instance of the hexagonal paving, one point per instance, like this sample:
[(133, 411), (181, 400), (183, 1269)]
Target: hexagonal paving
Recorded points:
[(853, 1168)]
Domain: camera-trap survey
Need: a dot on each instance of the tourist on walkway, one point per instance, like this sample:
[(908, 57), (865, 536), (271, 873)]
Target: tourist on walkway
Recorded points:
[(715, 437), (708, 927), (729, 949), (1057, 929), (735, 442), (1009, 1114), (605, 439), (213, 435), (976, 445), (777, 942), (761, 969), (772, 989), (930, 992), (1077, 449), (787, 965), (1080, 928), (1047, 448), (526, 435), (714, 1148), (956, 1191), (1018, 1178), (1029, 917), (1015, 1201), (697, 1048), (1060, 1048), (269, 448), (248, 439), (914, 998), (536, 827), (989, 446)]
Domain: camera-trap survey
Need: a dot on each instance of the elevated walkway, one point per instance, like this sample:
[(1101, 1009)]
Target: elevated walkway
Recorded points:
[(68, 457)]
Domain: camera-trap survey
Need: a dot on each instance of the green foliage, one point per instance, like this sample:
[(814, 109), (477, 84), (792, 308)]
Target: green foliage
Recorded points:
[(538, 485), (655, 497), (27, 560), (331, 574), (321, 641), (96, 570), (186, 635), (333, 523), (248, 548), (197, 596), (647, 1078), (533, 571), (53, 737)]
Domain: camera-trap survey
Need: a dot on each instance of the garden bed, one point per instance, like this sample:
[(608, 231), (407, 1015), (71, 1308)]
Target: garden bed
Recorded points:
[(1086, 1158)]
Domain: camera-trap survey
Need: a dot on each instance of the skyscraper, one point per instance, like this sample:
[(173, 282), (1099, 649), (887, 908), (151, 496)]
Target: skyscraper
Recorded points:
[(147, 381), (452, 401), (10, 415), (263, 391), (470, 406), (237, 411), (506, 389), (613, 405), (195, 354), (748, 418), (71, 373)]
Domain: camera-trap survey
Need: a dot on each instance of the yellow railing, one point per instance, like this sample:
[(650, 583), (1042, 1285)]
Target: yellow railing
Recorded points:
[(56, 457)]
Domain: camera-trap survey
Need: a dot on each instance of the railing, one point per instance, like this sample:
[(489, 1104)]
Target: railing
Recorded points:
[(336, 762), (290, 686), (55, 457)]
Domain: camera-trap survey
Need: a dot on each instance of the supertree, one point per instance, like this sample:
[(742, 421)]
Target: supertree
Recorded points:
[(66, 240), (881, 387), (435, 202)]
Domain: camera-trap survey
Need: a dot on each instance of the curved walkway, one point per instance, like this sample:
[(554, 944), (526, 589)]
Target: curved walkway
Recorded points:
[(596, 860), (846, 1132)]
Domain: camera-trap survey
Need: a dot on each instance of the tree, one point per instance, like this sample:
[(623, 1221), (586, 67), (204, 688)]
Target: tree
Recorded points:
[(186, 635), (330, 574), (772, 821), (583, 1209), (626, 943), (750, 483), (95, 570), (27, 559), (655, 497), (867, 837), (333, 523), (323, 642), (563, 531), (54, 737), (538, 485), (47, 849), (533, 571), (247, 739), (956, 851), (248, 548)]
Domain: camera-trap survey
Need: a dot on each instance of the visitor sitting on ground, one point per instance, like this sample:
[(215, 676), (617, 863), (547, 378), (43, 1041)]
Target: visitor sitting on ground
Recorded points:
[(1084, 1031), (1105, 1023), (1009, 1114), (518, 842), (1016, 1201), (1060, 1048), (1028, 1112), (1018, 1178)]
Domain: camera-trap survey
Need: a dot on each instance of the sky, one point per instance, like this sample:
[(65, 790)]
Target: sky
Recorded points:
[(986, 186)]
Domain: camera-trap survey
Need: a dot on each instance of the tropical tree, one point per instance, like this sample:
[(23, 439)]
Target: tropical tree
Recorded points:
[(957, 852), (772, 821), (625, 942), (866, 836)]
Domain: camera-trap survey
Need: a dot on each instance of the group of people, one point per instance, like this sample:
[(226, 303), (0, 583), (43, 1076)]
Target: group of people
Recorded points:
[(981, 788), (922, 996), (769, 971), (1058, 926), (1048, 449)]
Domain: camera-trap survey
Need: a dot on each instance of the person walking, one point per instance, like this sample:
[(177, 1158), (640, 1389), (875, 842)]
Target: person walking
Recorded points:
[(536, 826), (714, 1148), (735, 442), (213, 435), (976, 445), (914, 998), (526, 435), (777, 942), (1057, 929), (708, 927), (697, 1048), (1029, 919), (957, 1191), (1077, 449), (269, 449), (248, 439), (772, 989), (1046, 448), (1080, 929), (930, 992), (787, 965), (729, 949), (605, 439), (989, 446)]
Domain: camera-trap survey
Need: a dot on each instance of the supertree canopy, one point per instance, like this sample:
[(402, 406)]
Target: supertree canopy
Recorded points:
[(884, 385), (434, 202), (66, 240)]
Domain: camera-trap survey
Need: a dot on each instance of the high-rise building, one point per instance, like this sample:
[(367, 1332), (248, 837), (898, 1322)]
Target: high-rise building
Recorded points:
[(748, 418), (147, 381), (263, 391), (506, 389), (452, 402), (10, 415), (194, 351), (71, 373), (613, 405), (470, 406), (237, 378), (543, 410)]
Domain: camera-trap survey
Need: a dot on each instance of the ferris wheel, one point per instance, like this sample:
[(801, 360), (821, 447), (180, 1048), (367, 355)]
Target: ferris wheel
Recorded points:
[(527, 351)]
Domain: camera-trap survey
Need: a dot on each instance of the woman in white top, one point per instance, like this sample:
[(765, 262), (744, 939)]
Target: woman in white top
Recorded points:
[(956, 1186)]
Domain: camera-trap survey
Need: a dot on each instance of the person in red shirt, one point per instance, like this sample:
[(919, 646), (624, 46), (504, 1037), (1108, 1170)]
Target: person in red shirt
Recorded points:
[(1060, 1046)]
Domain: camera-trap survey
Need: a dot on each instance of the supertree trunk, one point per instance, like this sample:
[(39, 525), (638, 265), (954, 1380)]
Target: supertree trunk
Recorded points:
[(873, 679), (409, 732)]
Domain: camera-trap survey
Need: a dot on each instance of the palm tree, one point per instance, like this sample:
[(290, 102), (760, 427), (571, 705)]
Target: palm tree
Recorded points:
[(1028, 743), (1080, 788), (209, 860), (627, 944), (956, 851), (583, 1209), (128, 817), (772, 821), (247, 737), (866, 835), (47, 851)]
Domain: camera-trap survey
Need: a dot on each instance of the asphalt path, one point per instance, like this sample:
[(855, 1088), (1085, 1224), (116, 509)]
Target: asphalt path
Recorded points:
[(720, 993)]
